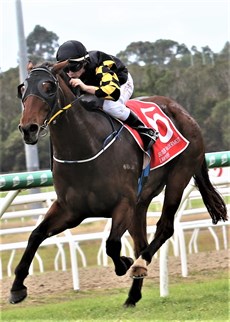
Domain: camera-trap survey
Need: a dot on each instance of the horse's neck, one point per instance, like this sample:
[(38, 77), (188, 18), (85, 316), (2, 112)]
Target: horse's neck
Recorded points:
[(66, 126), (78, 133)]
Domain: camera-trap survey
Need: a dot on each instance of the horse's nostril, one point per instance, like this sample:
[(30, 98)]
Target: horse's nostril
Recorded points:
[(33, 128), (29, 129)]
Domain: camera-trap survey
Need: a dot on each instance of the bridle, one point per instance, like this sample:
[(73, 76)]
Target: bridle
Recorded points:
[(35, 87)]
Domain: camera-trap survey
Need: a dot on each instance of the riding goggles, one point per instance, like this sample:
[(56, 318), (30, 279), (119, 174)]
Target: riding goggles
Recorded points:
[(74, 67)]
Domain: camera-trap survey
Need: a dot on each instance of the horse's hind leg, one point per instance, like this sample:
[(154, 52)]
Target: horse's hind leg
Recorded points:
[(54, 222), (165, 227)]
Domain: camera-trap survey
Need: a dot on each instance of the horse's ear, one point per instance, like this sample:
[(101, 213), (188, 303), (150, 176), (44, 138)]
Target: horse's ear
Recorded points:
[(57, 68), (30, 66)]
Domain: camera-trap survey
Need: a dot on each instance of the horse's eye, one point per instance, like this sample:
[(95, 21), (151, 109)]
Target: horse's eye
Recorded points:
[(22, 89), (49, 88)]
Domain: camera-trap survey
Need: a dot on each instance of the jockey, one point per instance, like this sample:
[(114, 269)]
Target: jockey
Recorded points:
[(106, 77)]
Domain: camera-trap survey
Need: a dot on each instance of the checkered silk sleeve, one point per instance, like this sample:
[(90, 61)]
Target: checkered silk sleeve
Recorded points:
[(109, 83)]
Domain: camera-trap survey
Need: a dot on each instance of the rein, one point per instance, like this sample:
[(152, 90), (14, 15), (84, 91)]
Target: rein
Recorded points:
[(63, 109), (115, 135)]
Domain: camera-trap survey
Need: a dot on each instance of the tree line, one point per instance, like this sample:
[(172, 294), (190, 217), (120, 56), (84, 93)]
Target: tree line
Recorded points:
[(197, 79)]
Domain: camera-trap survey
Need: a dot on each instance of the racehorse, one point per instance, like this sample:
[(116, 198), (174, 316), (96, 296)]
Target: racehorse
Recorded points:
[(96, 167)]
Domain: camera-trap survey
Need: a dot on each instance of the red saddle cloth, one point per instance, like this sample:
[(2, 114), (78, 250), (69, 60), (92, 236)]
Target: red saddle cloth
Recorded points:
[(170, 142)]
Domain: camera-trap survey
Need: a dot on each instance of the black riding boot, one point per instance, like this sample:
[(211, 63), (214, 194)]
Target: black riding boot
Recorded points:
[(148, 135)]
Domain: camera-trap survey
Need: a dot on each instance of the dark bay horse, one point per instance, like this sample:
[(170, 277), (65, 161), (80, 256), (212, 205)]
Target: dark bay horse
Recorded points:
[(96, 168)]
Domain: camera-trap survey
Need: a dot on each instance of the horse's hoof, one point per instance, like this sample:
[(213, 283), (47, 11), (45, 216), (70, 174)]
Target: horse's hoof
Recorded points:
[(126, 263), (138, 272), (129, 304), (139, 269), (18, 296)]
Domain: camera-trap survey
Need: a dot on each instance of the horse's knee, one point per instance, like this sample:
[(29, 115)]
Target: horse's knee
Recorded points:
[(165, 227), (36, 237), (113, 248)]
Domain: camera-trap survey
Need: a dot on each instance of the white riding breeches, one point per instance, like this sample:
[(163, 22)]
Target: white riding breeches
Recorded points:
[(118, 109)]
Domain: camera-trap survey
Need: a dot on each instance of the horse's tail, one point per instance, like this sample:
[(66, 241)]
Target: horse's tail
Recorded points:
[(211, 198)]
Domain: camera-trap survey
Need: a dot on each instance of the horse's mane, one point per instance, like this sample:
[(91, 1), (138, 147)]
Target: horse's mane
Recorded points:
[(48, 65), (45, 64)]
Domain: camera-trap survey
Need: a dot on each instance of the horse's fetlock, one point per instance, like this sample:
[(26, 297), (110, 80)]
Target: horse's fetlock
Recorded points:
[(146, 256), (21, 272), (133, 299), (18, 285)]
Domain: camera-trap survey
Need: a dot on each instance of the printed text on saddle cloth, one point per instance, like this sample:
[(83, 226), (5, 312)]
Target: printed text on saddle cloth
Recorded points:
[(170, 142)]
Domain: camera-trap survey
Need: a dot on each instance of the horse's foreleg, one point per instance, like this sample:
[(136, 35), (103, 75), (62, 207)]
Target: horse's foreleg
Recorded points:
[(52, 224), (137, 231), (120, 219)]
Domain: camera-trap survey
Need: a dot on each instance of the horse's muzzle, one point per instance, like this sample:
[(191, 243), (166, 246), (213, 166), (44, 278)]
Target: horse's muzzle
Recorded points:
[(29, 133)]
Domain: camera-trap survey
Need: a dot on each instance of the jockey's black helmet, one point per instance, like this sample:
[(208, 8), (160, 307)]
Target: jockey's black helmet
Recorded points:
[(72, 50)]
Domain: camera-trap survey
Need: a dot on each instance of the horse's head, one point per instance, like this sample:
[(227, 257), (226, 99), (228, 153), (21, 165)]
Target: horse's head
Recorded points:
[(40, 95)]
